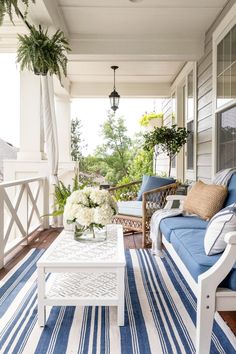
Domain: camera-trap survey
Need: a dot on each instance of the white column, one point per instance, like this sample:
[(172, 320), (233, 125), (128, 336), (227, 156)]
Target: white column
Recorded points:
[(31, 132), (64, 128)]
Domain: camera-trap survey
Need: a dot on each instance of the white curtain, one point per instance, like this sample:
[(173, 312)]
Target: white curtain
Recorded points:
[(50, 126)]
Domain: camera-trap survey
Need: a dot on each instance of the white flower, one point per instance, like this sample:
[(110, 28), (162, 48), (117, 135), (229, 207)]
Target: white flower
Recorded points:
[(78, 197), (103, 215), (85, 216), (87, 191), (70, 211), (98, 196)]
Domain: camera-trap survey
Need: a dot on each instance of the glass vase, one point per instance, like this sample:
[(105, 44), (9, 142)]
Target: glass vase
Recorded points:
[(91, 233)]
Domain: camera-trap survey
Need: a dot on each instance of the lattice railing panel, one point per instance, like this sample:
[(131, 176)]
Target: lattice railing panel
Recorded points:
[(22, 203)]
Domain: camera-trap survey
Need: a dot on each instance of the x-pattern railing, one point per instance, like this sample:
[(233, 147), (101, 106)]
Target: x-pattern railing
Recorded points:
[(22, 205)]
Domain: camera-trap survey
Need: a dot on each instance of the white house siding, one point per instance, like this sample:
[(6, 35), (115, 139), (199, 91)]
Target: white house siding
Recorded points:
[(204, 104), (204, 108), (162, 160)]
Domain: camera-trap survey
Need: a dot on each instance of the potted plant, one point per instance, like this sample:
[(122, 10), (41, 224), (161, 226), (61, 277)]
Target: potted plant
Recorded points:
[(168, 140), (152, 119), (42, 54), (91, 210), (11, 6)]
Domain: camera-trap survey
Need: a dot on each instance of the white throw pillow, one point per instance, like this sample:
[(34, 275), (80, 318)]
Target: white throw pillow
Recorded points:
[(221, 223)]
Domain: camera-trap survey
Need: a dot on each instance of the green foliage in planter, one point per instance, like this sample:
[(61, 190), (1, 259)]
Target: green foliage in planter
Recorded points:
[(41, 54), (10, 7), (147, 117), (168, 139)]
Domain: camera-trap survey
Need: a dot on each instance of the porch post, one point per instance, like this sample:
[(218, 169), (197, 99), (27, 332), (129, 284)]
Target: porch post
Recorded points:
[(63, 117), (31, 127)]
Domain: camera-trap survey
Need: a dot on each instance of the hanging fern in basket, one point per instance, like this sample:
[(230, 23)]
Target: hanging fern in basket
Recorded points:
[(10, 7), (42, 54)]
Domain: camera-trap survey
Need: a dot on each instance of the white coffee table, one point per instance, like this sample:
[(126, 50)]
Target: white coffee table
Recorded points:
[(83, 273)]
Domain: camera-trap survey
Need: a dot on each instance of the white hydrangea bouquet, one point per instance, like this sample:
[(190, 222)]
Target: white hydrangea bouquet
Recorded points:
[(90, 209)]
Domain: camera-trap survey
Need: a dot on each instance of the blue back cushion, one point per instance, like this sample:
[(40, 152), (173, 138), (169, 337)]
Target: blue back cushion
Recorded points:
[(231, 198), (152, 182)]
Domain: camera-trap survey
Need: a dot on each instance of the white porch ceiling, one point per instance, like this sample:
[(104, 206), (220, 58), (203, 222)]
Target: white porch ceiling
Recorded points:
[(149, 40)]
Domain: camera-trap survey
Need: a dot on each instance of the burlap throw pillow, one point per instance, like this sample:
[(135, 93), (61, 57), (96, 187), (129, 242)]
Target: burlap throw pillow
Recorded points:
[(205, 200)]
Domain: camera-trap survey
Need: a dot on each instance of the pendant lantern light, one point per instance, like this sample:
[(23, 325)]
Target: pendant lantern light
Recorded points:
[(114, 96)]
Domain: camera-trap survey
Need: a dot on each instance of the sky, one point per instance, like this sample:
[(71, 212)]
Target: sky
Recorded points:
[(91, 112)]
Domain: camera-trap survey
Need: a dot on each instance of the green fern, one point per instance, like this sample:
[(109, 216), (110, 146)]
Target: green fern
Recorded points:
[(41, 54), (62, 192), (10, 7), (76, 183)]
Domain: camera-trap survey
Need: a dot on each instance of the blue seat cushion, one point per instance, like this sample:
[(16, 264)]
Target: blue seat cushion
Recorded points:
[(189, 245), (181, 222), (231, 198), (132, 208), (152, 182)]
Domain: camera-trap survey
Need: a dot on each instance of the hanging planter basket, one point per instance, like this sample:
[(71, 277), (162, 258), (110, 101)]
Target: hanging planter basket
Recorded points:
[(151, 120), (38, 72), (41, 54)]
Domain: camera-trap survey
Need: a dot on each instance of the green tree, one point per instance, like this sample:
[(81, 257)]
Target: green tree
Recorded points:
[(76, 140), (142, 164), (168, 139), (115, 149), (93, 164)]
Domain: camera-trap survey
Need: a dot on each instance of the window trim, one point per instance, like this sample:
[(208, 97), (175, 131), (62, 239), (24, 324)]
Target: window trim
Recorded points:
[(176, 87), (227, 23)]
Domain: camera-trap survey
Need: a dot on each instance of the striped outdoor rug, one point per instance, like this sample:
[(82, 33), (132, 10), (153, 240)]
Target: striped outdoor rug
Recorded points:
[(160, 315)]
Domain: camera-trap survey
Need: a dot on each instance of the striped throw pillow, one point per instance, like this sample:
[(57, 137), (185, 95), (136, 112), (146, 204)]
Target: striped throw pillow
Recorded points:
[(221, 223)]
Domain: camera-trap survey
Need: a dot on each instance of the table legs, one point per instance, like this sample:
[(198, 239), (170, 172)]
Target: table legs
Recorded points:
[(41, 295), (121, 296)]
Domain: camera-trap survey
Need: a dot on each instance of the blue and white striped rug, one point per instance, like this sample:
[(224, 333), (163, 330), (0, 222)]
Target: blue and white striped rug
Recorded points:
[(160, 315)]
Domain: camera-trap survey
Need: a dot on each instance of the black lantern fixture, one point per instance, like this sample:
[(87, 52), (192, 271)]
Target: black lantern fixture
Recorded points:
[(114, 96)]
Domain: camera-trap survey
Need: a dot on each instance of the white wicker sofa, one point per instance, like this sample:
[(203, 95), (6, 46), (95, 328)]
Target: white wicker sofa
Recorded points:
[(210, 297)]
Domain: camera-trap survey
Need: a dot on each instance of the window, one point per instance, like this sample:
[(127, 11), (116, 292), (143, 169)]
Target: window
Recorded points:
[(184, 115), (226, 124), (226, 69), (224, 78), (190, 97), (190, 145), (189, 114), (173, 121)]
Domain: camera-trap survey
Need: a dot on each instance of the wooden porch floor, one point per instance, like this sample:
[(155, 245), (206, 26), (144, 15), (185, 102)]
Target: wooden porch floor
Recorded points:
[(45, 238)]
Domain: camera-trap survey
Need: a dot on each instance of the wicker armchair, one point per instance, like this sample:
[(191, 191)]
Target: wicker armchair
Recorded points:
[(151, 201)]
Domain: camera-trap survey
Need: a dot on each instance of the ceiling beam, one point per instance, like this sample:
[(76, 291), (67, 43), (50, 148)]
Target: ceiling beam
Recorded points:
[(55, 13), (174, 50), (136, 90)]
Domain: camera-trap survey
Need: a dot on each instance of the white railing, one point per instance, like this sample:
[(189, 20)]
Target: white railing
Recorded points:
[(22, 205)]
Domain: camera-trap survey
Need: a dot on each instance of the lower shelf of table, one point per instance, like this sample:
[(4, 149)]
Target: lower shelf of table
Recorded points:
[(82, 288)]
